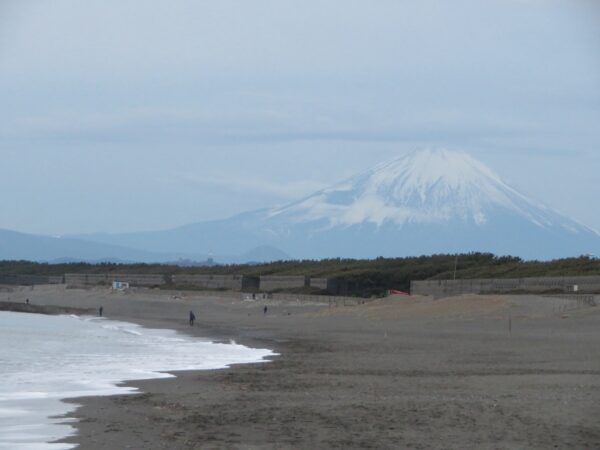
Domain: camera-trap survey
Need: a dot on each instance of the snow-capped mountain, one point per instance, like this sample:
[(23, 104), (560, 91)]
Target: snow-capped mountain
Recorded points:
[(425, 187), (430, 201)]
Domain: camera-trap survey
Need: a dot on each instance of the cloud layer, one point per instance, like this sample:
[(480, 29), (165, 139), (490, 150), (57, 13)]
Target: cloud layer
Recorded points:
[(233, 105)]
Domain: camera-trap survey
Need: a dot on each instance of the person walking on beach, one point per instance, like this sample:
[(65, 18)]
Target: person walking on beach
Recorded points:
[(100, 311), (192, 318)]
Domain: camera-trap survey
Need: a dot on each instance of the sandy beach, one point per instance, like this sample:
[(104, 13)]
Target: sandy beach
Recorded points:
[(497, 372)]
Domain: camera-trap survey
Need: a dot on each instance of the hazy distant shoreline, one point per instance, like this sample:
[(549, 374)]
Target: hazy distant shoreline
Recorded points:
[(388, 374), (43, 309)]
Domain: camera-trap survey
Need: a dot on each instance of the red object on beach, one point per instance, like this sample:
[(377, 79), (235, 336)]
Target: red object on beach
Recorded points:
[(395, 292)]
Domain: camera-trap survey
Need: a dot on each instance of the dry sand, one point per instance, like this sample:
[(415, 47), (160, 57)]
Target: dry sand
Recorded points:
[(394, 373)]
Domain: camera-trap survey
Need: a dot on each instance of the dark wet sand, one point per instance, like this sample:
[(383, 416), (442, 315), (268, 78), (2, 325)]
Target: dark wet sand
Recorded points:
[(405, 373)]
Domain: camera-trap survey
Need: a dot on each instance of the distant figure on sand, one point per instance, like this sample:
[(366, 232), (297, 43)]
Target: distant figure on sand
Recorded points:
[(265, 310), (192, 318), (100, 311)]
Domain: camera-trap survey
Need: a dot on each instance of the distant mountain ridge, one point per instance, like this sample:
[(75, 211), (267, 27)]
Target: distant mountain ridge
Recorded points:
[(58, 250), (430, 201), (24, 246), (426, 202)]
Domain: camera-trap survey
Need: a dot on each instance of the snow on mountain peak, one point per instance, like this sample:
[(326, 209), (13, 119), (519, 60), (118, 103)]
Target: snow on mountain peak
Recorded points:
[(427, 167), (424, 186)]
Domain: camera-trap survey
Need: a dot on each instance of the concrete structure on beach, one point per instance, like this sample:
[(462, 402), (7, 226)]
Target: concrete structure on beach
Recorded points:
[(30, 280), (305, 284), (269, 283), (266, 283), (538, 285), (90, 279), (215, 282)]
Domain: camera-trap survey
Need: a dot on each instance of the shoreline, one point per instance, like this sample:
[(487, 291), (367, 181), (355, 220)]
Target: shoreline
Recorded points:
[(51, 310), (418, 374), (125, 385), (144, 386)]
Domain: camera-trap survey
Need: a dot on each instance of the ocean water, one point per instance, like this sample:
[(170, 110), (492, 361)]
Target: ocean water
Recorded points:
[(44, 359)]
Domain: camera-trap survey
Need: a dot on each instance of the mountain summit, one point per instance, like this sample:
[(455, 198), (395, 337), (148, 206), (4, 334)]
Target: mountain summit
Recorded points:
[(430, 201), (424, 187)]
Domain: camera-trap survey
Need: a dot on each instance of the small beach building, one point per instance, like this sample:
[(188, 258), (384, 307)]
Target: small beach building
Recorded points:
[(120, 285)]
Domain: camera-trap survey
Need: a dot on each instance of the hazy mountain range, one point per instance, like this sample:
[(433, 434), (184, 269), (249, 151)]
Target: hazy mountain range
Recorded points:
[(431, 201), (23, 246)]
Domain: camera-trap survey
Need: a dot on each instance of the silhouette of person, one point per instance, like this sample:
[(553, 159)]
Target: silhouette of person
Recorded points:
[(100, 311), (27, 301), (265, 310), (192, 318)]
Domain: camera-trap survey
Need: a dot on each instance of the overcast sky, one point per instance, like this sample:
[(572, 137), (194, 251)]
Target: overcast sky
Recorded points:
[(120, 115)]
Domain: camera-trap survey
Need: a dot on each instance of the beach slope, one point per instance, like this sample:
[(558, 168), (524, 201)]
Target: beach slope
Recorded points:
[(496, 372)]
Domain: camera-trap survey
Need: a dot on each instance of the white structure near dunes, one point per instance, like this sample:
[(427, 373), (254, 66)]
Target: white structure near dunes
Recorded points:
[(120, 285)]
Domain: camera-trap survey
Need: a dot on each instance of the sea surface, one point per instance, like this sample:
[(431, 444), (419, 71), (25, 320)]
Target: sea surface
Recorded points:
[(44, 359)]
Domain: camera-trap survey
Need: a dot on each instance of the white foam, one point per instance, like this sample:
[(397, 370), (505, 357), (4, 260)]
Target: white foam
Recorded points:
[(48, 358)]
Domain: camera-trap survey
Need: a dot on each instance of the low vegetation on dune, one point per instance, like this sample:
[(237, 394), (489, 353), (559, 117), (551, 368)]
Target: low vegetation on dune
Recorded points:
[(363, 277)]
